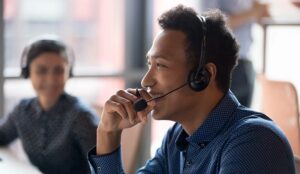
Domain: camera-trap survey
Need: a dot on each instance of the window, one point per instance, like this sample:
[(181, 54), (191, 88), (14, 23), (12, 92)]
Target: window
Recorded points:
[(282, 52)]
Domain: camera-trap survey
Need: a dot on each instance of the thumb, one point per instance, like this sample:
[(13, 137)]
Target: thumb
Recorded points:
[(143, 115)]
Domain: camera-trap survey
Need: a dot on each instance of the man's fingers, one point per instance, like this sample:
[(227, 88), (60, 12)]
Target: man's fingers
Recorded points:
[(144, 94), (113, 105), (133, 95), (127, 104)]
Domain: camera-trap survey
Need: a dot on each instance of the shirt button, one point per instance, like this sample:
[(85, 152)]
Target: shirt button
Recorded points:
[(202, 145), (188, 162)]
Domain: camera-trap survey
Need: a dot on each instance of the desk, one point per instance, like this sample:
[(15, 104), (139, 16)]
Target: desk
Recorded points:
[(10, 163)]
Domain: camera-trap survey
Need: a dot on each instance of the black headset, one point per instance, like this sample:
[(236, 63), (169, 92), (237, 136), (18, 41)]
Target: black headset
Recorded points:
[(26, 60), (199, 78)]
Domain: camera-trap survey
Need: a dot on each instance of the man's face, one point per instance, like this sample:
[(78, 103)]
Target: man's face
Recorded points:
[(168, 68), (48, 74)]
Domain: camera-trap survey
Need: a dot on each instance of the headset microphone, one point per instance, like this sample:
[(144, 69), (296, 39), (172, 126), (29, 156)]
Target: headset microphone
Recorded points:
[(141, 103)]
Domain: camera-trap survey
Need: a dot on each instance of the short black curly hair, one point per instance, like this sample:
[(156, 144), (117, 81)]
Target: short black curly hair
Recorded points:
[(221, 46)]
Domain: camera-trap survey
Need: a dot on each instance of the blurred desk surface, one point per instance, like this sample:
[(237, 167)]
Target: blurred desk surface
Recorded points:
[(11, 164)]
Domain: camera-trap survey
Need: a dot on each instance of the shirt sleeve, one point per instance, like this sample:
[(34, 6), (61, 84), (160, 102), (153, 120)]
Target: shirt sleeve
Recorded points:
[(111, 163), (8, 130), (257, 149), (106, 164)]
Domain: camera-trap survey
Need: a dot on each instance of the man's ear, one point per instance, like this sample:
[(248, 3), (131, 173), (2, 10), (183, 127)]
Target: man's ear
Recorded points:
[(212, 69)]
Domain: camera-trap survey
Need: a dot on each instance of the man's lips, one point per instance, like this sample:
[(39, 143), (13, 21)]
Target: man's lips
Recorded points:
[(157, 97)]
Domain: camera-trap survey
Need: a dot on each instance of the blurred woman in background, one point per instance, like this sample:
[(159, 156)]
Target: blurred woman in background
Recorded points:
[(55, 128)]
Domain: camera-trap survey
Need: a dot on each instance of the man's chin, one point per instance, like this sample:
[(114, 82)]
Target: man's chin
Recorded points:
[(156, 115)]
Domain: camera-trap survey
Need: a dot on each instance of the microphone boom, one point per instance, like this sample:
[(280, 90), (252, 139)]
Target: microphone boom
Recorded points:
[(141, 103)]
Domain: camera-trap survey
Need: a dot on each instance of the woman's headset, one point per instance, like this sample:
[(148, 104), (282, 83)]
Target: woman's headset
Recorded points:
[(43, 45)]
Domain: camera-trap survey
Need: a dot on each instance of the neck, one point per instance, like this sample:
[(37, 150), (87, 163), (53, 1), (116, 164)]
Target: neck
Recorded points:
[(47, 104), (199, 112)]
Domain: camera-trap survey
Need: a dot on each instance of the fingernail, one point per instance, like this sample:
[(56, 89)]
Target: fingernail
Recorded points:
[(137, 93)]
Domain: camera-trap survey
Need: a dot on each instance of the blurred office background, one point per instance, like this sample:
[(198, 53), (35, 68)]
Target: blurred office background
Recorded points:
[(110, 39)]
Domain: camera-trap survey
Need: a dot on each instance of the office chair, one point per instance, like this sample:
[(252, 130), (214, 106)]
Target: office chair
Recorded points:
[(279, 101)]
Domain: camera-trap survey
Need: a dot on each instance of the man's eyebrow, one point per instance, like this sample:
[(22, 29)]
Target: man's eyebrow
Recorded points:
[(155, 56)]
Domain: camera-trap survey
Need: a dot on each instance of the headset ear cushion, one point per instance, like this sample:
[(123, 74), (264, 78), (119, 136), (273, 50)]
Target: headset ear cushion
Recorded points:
[(200, 82), (25, 72)]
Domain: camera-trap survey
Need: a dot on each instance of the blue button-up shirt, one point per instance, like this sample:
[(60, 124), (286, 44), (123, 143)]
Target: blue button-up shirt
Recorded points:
[(233, 139)]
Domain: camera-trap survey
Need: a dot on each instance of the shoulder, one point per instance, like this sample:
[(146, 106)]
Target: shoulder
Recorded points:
[(75, 104), (25, 104), (254, 123), (256, 142), (78, 108), (259, 123)]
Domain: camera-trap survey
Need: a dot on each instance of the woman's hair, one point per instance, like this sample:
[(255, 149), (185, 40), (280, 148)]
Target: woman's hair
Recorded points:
[(38, 47)]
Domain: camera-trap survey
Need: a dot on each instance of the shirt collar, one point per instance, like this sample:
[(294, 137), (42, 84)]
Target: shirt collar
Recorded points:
[(214, 124), (38, 110)]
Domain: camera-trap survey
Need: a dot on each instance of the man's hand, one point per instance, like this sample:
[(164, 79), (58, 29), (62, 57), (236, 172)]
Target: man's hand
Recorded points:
[(118, 114)]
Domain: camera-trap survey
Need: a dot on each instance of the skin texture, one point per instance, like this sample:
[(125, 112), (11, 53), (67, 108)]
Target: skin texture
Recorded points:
[(168, 68), (48, 74)]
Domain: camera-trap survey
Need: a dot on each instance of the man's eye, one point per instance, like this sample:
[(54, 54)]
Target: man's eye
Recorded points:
[(160, 65)]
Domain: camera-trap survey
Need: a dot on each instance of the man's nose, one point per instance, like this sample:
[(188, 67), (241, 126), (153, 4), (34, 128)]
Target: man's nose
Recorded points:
[(148, 79)]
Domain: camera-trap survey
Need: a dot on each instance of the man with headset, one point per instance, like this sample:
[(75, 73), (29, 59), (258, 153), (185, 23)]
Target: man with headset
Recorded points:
[(188, 79)]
